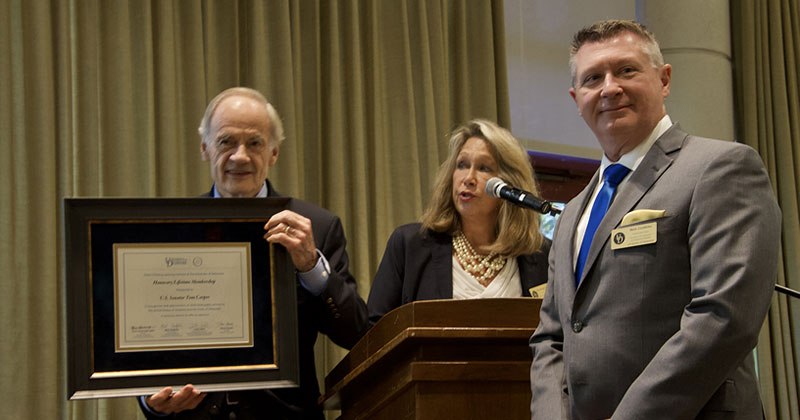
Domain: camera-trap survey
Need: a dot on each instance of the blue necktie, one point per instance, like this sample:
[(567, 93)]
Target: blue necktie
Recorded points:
[(613, 176)]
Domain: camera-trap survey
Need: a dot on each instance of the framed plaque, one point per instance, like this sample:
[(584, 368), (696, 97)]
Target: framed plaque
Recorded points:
[(169, 291)]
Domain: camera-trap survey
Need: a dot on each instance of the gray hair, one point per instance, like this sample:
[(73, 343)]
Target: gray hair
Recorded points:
[(275, 125), (607, 29)]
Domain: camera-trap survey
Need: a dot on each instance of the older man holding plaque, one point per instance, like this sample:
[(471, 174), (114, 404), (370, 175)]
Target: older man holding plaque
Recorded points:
[(241, 135)]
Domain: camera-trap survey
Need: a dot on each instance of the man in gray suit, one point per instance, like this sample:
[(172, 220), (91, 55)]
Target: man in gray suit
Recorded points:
[(654, 301)]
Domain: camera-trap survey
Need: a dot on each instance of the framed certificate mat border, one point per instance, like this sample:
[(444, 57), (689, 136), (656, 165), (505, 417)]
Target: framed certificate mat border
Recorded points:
[(170, 291)]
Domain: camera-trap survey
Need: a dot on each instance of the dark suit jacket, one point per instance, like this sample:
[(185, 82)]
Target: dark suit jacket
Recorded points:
[(339, 312), (663, 330), (419, 266)]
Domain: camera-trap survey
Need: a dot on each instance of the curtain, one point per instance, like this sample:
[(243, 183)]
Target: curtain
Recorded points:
[(103, 99), (766, 49)]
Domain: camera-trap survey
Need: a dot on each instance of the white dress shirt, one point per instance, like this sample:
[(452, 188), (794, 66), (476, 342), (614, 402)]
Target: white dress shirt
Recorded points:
[(630, 160)]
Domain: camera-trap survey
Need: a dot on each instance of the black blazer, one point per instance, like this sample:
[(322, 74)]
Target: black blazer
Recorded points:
[(339, 312), (419, 266)]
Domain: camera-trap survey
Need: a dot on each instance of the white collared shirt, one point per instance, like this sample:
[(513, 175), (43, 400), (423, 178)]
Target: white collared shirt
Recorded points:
[(262, 193), (630, 160)]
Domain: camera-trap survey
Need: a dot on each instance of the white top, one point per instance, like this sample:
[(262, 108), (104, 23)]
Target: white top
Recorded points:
[(505, 284)]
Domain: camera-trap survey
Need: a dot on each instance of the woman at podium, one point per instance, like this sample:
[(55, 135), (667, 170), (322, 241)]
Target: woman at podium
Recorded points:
[(467, 244)]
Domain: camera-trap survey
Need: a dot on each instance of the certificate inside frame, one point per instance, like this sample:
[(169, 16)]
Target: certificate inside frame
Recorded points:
[(97, 369), (180, 296)]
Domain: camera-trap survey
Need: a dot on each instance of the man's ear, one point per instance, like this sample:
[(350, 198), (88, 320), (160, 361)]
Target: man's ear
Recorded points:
[(274, 155), (204, 150), (574, 98), (665, 74)]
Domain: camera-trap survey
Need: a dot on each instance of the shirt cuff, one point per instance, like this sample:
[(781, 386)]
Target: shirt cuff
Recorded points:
[(316, 279), (148, 410)]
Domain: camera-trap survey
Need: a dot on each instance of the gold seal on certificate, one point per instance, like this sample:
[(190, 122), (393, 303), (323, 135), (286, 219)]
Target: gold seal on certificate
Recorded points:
[(174, 296)]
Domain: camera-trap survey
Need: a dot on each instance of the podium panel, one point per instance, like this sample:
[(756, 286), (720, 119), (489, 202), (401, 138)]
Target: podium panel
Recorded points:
[(440, 359)]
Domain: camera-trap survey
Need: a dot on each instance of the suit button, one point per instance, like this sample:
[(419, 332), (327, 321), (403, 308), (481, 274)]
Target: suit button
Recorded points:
[(577, 326), (214, 410), (337, 315), (330, 300)]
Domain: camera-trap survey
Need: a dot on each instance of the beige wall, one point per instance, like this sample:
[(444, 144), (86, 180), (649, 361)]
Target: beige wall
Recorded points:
[(538, 33), (695, 39)]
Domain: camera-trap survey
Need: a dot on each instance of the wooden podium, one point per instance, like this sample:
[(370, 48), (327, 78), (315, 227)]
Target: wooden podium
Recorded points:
[(465, 359)]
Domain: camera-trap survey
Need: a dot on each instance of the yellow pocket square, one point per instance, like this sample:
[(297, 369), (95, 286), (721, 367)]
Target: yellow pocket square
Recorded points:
[(538, 291), (642, 215)]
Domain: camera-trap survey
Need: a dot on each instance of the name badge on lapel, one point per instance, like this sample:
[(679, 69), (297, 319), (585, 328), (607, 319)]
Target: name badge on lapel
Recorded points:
[(633, 232), (636, 235)]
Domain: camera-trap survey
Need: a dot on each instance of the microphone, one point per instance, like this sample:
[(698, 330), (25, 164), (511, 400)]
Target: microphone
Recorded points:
[(497, 188)]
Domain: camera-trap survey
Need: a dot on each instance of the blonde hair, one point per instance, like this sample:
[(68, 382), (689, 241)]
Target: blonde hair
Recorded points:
[(517, 228)]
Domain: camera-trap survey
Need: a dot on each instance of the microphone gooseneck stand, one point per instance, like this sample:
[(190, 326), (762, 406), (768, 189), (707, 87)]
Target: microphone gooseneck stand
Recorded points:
[(787, 291)]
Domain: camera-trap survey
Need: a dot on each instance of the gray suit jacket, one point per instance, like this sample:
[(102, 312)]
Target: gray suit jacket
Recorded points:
[(665, 330)]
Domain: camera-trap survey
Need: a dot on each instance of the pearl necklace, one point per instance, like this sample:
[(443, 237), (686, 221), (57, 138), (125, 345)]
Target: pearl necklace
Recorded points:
[(483, 267)]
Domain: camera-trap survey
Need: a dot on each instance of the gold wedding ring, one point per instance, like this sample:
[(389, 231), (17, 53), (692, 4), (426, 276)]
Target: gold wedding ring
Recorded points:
[(286, 231)]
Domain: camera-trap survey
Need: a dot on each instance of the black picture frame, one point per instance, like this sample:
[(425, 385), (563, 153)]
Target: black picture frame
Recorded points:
[(92, 226)]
